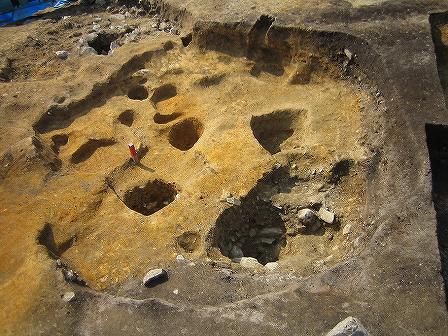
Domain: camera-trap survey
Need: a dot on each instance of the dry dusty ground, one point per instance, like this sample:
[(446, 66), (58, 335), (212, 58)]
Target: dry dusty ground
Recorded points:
[(227, 104)]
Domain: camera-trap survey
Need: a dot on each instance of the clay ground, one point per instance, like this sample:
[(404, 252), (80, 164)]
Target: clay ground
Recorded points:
[(274, 106)]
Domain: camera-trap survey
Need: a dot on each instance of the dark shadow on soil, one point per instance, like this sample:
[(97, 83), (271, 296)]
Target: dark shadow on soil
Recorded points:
[(166, 118), (59, 140), (46, 238), (88, 149), (437, 141), (163, 92), (144, 167)]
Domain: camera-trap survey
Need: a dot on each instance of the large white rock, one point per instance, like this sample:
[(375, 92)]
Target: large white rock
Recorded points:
[(249, 262), (306, 216), (325, 215), (271, 266), (348, 327)]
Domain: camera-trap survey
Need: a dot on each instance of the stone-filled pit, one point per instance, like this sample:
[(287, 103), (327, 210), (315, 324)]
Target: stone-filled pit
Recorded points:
[(254, 228)]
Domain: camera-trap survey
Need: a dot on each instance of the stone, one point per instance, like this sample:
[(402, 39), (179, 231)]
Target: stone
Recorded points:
[(176, 291), (348, 53), (155, 277), (236, 252), (326, 216), (59, 99), (96, 27), (163, 25), (347, 229), (174, 31), (62, 54), (142, 73), (307, 217), (90, 37), (220, 264), (249, 262), (181, 259), (68, 296), (271, 266), (114, 45), (233, 200), (265, 240), (117, 17), (87, 51), (348, 327), (309, 220), (141, 12), (271, 232), (71, 276)]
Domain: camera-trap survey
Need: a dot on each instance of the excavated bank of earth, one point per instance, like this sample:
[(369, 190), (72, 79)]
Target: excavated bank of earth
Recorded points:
[(214, 129), (248, 135)]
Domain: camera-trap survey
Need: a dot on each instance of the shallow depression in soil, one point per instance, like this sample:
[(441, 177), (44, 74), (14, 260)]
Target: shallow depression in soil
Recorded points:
[(185, 134)]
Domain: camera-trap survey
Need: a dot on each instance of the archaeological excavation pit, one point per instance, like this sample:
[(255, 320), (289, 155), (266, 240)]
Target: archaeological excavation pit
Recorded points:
[(138, 93), (59, 140), (46, 238), (151, 197), (101, 43), (244, 117), (126, 118), (163, 92), (185, 134), (272, 129), (254, 228)]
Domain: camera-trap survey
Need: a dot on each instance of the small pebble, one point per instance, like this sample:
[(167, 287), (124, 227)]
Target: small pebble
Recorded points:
[(62, 54), (68, 296)]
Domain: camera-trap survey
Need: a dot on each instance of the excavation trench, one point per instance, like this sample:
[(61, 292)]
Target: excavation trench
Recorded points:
[(437, 141)]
